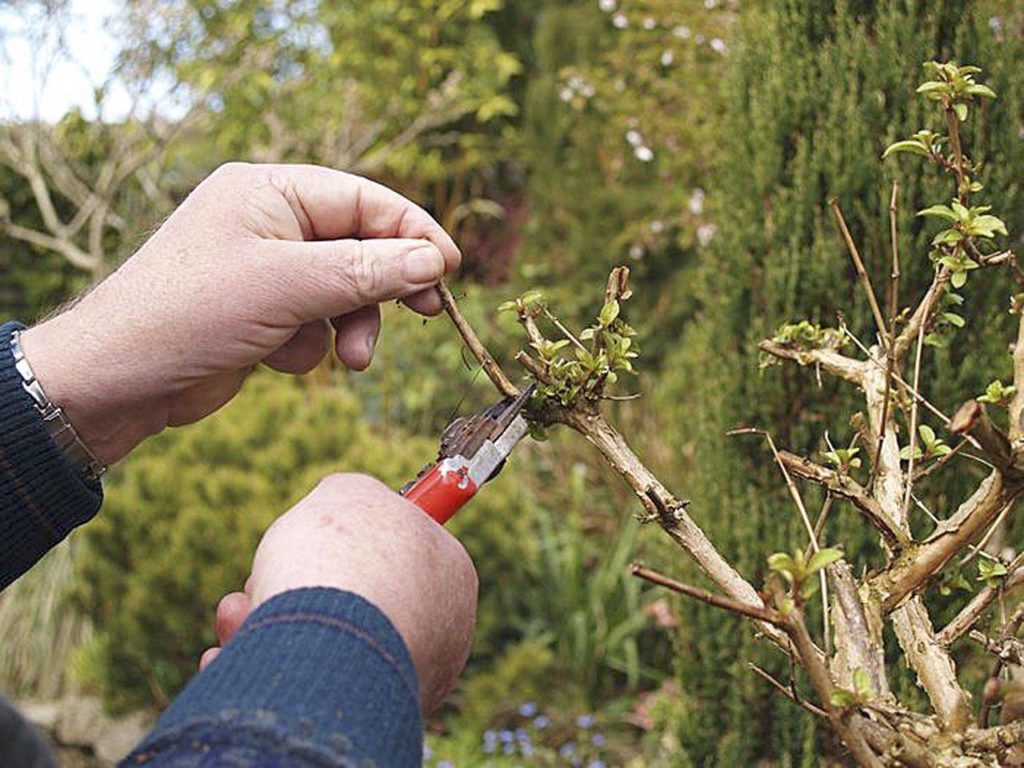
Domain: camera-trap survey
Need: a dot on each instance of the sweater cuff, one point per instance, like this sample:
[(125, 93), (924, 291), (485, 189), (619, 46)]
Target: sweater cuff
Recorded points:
[(313, 677), (42, 497)]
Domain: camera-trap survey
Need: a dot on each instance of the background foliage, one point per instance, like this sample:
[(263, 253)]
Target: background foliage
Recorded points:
[(698, 143)]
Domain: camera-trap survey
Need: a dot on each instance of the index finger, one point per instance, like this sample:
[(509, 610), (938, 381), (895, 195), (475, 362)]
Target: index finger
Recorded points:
[(332, 205)]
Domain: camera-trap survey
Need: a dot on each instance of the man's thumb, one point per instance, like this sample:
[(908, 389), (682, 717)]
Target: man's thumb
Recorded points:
[(330, 278)]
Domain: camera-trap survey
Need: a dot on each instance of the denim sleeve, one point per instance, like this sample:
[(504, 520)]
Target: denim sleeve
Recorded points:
[(42, 497), (313, 678)]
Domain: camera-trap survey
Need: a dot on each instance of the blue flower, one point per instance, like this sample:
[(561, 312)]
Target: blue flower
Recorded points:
[(427, 753), (522, 736), (595, 764), (529, 709), (568, 749), (598, 740), (506, 736), (585, 721), (490, 741), (541, 722), (446, 764)]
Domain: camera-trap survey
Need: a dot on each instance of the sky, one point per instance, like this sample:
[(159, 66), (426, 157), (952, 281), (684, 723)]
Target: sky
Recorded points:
[(30, 89)]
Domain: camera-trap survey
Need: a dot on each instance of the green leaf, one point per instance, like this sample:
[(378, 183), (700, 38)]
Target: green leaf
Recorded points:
[(933, 86), (961, 111), (842, 698), (958, 279), (782, 563), (531, 297), (976, 89), (987, 226), (909, 145), (823, 558), (861, 682), (940, 211), (905, 453), (508, 306), (609, 312), (947, 237), (954, 319), (927, 435)]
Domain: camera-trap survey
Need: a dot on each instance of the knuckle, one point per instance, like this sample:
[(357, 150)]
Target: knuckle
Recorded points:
[(362, 272)]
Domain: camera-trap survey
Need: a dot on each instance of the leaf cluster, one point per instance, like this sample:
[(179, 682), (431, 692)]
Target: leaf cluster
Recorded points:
[(582, 366), (798, 569)]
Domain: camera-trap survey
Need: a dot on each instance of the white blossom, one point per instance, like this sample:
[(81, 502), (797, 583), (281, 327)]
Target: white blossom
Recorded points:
[(682, 31), (718, 45), (565, 94), (619, 21), (650, 23), (667, 57), (634, 138), (606, 5), (636, 251), (644, 153), (657, 226), (696, 202), (709, 4), (705, 232)]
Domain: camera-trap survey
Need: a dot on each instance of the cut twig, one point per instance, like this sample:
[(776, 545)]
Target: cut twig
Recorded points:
[(718, 601), (488, 363)]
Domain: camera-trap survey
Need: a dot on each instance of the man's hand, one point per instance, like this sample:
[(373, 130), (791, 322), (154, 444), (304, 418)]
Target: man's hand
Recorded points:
[(355, 534), (255, 265)]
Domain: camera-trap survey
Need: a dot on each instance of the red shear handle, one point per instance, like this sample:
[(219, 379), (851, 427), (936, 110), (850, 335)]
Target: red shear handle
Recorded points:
[(443, 490)]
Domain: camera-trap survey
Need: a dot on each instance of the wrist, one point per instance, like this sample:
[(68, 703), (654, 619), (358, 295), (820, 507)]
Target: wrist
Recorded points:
[(72, 366)]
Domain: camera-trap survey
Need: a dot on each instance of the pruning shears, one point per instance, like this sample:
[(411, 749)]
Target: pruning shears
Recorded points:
[(473, 451)]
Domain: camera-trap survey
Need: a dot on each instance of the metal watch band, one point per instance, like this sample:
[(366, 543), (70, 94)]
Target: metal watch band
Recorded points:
[(57, 424)]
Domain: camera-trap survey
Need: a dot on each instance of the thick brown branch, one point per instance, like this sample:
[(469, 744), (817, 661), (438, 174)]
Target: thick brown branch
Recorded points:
[(857, 646), (936, 673), (833, 362), (919, 563), (1017, 403), (846, 724), (972, 419), (850, 490)]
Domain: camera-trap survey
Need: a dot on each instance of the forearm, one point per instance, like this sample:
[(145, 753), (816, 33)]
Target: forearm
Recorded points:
[(42, 497), (314, 677)]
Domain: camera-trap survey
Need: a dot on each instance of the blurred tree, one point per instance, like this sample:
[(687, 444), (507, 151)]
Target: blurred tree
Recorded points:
[(816, 92), (411, 92), (619, 142)]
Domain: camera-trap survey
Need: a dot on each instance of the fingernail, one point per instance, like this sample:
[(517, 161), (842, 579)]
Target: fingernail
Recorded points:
[(424, 265), (371, 342)]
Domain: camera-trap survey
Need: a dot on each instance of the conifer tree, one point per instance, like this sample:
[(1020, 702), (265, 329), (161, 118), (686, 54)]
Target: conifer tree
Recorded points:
[(817, 91)]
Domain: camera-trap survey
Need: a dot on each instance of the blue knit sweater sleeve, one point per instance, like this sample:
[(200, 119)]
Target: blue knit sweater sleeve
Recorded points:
[(42, 497), (314, 678)]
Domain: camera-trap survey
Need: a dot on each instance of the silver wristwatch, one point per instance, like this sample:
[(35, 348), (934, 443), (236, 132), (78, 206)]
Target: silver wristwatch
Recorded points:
[(57, 424)]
